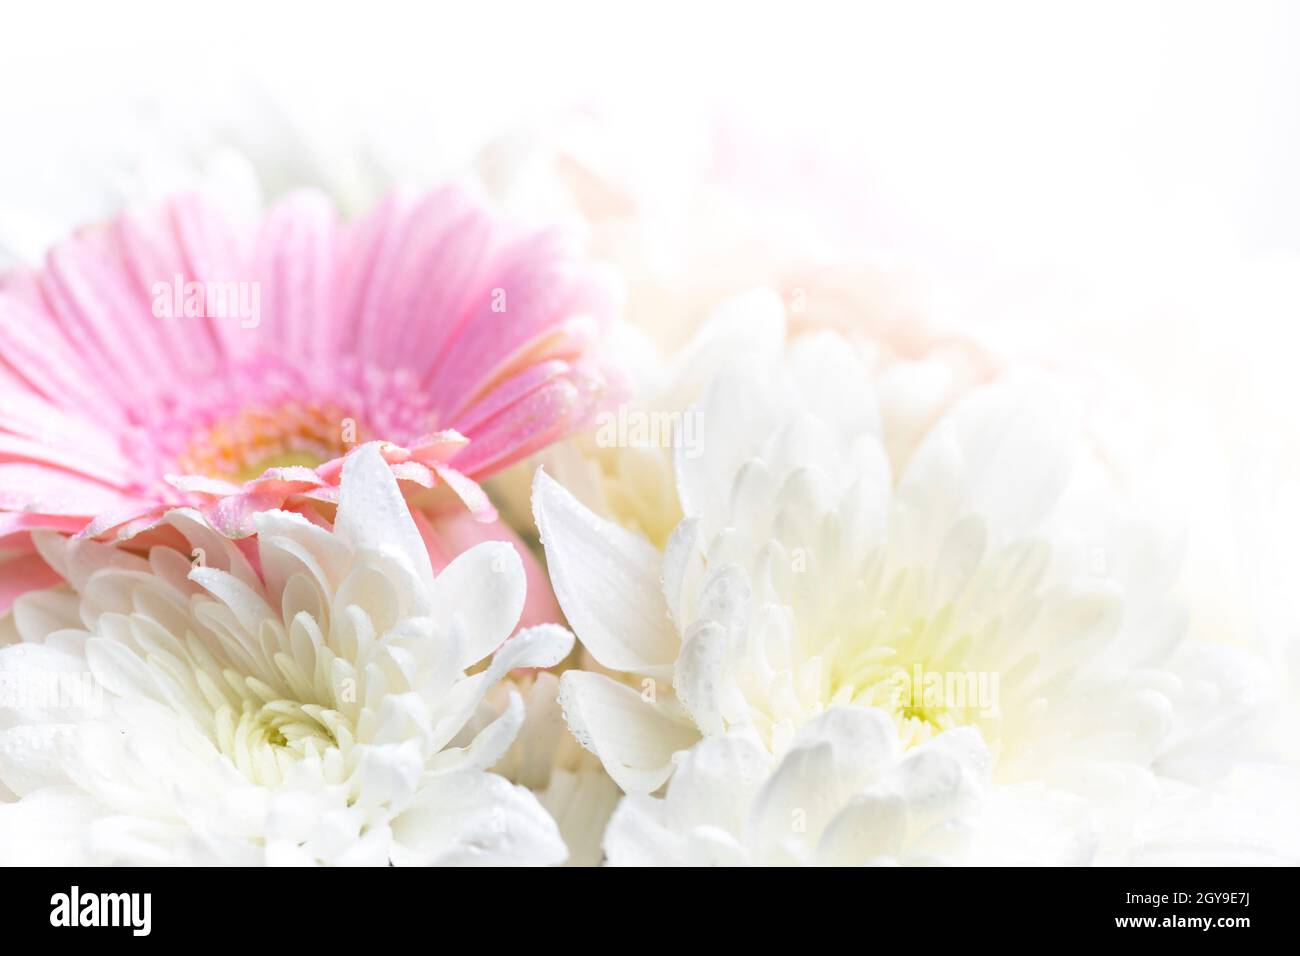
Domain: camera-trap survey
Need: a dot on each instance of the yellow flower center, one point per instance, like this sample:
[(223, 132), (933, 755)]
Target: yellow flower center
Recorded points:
[(265, 740), (243, 446), (920, 676)]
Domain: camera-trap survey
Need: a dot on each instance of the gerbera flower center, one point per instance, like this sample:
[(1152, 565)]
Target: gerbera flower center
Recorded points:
[(247, 443), (272, 414)]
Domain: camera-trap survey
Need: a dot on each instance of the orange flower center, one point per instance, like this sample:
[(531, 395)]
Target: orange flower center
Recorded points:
[(243, 446)]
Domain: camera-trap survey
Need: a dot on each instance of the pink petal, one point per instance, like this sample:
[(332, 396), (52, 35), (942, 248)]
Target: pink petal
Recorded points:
[(438, 448), (469, 492), (37, 354), (22, 522), (417, 269), (31, 487), (295, 264), (21, 574), (533, 291), (113, 522)]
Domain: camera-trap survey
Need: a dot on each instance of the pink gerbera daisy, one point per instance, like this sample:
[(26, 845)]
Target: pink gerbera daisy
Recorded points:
[(175, 358)]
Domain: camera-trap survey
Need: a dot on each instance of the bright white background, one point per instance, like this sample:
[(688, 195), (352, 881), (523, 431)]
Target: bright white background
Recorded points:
[(1028, 130), (1146, 139)]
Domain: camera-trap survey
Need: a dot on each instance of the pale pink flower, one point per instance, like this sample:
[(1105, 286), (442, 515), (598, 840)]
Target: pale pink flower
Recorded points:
[(460, 340)]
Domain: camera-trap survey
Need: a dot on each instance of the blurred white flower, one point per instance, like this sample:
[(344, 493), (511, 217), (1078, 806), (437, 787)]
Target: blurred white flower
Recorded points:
[(812, 573), (1247, 818), (724, 211), (309, 703), (844, 795)]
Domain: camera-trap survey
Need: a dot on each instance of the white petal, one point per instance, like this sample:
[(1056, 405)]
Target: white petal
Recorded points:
[(701, 678), (835, 384), (542, 646), (800, 797), (218, 551), (581, 801), (715, 783), (637, 836), (388, 774), (248, 605), (485, 586), (634, 739), (863, 741), (831, 758), (682, 561), (751, 325), (607, 580), (77, 559), (373, 515), (121, 670), (476, 819), (489, 744), (942, 776), (39, 613), (870, 827), (1033, 826), (26, 673), (31, 757), (735, 418), (725, 597), (47, 828), (1003, 453)]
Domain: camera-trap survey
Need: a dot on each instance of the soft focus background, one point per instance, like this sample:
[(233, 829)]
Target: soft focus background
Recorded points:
[(1112, 185)]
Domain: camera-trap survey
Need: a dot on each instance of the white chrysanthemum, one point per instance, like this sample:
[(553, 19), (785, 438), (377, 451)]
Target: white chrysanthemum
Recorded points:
[(316, 709), (808, 576), (843, 794)]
